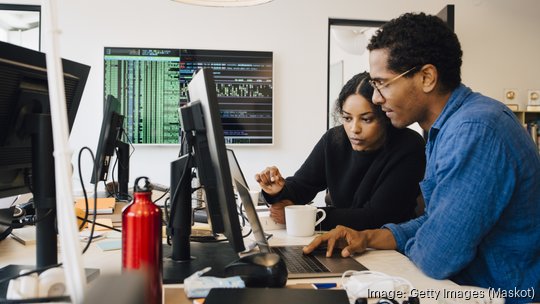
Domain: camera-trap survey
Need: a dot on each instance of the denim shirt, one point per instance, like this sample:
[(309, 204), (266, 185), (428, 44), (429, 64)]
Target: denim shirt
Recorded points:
[(481, 187)]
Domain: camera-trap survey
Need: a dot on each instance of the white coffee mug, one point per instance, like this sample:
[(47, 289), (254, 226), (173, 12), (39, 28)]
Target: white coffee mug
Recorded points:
[(300, 220)]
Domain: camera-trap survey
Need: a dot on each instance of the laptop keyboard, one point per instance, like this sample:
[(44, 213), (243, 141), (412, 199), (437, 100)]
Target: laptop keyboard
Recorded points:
[(297, 262)]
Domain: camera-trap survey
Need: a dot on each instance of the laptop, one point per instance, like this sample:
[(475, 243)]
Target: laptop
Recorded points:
[(236, 174), (299, 265)]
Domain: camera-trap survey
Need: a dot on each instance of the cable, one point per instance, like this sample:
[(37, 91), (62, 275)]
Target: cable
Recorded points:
[(130, 142), (242, 216), (158, 199), (15, 200), (116, 190), (170, 217), (28, 180), (177, 188), (37, 220), (165, 211), (85, 220), (247, 234)]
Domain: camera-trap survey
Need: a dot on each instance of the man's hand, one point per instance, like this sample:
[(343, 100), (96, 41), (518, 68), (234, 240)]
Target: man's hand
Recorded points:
[(352, 240), (270, 180), (277, 211)]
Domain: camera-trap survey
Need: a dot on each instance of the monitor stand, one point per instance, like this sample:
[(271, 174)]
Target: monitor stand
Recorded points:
[(13, 270), (215, 254)]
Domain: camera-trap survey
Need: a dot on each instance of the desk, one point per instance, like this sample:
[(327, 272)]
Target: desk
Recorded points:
[(387, 261)]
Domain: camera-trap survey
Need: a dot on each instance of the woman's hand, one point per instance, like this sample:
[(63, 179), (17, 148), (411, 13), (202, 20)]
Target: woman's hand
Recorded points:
[(270, 180), (277, 211)]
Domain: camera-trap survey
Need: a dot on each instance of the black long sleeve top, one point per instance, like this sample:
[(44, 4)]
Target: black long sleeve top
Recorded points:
[(367, 188)]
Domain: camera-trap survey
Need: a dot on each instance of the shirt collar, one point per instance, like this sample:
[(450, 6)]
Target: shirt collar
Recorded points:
[(452, 105)]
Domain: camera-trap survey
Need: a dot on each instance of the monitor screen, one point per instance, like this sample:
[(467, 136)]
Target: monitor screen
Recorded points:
[(152, 83)]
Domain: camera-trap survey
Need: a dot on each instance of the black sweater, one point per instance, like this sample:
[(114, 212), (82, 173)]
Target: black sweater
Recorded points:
[(367, 189)]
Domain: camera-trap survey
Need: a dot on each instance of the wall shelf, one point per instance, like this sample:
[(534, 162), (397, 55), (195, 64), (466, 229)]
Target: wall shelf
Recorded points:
[(526, 117), (530, 121)]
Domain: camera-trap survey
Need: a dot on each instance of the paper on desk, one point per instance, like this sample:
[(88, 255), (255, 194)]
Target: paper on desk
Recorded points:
[(114, 234), (25, 235), (102, 221), (105, 205), (110, 245)]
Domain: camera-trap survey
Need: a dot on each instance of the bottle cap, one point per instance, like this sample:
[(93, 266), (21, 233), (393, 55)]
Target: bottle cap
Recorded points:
[(147, 186)]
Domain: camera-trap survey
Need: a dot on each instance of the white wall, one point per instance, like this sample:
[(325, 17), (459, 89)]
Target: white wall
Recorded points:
[(499, 39)]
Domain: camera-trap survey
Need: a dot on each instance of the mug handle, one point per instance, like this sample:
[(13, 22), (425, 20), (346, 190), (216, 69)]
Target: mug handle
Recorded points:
[(322, 217)]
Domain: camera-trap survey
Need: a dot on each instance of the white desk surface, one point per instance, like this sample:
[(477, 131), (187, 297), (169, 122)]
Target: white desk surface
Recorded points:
[(387, 261)]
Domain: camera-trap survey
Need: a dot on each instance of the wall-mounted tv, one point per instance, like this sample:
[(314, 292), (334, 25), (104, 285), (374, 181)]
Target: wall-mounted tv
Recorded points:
[(151, 84)]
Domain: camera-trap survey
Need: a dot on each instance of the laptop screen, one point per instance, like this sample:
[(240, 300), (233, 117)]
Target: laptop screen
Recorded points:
[(236, 172), (253, 219)]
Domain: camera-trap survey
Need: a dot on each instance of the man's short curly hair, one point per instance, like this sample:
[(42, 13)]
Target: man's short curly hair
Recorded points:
[(416, 39)]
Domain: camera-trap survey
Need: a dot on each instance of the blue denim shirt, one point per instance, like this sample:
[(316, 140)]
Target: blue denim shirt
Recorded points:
[(482, 192)]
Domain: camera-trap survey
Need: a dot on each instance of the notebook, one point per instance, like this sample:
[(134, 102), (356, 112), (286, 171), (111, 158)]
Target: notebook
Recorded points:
[(315, 265), (104, 205)]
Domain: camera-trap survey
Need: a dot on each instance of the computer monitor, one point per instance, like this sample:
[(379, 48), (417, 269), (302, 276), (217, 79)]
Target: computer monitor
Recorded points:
[(109, 142), (206, 152), (26, 143), (151, 83)]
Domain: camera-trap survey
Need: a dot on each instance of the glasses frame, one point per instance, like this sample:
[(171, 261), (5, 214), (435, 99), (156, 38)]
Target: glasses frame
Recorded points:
[(378, 87)]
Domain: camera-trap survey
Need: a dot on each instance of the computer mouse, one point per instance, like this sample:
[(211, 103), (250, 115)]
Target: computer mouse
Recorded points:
[(262, 269)]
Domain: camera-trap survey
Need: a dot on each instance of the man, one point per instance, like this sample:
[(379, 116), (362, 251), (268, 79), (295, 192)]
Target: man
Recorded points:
[(482, 181)]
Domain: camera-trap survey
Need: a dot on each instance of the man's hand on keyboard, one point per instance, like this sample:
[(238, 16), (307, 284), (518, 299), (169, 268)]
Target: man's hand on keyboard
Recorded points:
[(353, 241), (340, 237)]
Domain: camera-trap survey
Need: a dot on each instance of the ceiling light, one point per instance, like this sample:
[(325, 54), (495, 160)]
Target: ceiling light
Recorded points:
[(352, 40), (224, 3)]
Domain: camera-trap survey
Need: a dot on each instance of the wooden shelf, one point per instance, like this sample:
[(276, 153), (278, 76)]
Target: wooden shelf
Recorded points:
[(530, 121), (526, 117)]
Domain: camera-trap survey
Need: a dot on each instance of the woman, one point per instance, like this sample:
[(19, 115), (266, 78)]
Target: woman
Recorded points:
[(370, 169)]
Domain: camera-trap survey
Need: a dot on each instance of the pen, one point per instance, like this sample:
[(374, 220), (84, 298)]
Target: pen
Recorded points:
[(324, 285)]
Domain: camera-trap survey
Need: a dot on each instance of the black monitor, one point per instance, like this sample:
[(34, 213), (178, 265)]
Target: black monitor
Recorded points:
[(206, 151), (109, 142), (26, 143)]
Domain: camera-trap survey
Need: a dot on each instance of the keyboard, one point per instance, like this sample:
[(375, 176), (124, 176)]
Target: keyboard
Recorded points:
[(297, 262)]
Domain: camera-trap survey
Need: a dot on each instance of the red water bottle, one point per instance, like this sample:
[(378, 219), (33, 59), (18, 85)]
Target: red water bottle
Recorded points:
[(141, 239)]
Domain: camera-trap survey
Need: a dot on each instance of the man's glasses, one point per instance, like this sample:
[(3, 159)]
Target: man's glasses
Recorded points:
[(378, 85)]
